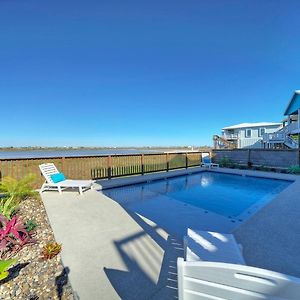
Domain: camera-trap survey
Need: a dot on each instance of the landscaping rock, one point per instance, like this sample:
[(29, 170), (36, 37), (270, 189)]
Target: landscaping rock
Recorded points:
[(34, 278)]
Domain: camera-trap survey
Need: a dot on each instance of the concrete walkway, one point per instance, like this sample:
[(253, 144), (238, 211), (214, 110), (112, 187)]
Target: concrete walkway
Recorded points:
[(110, 253)]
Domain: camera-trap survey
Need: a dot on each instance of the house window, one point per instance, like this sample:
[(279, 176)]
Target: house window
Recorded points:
[(261, 131), (248, 133)]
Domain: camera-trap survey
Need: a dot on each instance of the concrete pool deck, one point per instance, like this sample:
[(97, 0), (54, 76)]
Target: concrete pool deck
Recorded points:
[(113, 253)]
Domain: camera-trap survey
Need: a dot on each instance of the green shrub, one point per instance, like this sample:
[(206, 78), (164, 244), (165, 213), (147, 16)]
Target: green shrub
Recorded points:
[(243, 167), (263, 168), (226, 162), (13, 192), (30, 225), (293, 170), (234, 166)]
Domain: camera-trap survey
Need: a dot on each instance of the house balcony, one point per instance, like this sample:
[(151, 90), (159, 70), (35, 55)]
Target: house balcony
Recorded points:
[(230, 136), (276, 137)]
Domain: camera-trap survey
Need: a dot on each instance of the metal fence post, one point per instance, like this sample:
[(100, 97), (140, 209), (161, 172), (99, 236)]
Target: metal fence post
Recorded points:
[(248, 158), (186, 161), (142, 164), (167, 158), (109, 171), (63, 164)]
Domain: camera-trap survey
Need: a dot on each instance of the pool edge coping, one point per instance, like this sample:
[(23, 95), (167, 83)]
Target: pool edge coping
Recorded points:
[(130, 180)]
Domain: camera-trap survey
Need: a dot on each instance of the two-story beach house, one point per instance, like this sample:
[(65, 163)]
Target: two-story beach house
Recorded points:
[(245, 135), (288, 135), (285, 135)]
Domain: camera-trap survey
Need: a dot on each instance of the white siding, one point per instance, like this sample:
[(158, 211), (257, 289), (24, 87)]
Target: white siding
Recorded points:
[(255, 140)]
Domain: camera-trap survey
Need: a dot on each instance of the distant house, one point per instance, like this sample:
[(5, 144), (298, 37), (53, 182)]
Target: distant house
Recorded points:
[(288, 135), (245, 135)]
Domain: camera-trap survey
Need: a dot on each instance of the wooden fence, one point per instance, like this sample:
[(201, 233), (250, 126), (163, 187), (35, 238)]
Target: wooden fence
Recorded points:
[(273, 158), (100, 167)]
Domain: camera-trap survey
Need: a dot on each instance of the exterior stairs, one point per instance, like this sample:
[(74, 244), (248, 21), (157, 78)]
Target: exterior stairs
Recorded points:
[(281, 137), (220, 142)]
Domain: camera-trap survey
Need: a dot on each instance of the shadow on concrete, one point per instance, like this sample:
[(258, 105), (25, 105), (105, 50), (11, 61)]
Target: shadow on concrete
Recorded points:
[(61, 281), (137, 283)]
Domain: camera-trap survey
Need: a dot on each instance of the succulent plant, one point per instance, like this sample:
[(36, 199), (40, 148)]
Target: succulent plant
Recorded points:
[(51, 250)]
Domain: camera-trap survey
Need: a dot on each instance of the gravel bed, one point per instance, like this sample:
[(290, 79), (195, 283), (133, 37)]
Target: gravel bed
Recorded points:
[(34, 278)]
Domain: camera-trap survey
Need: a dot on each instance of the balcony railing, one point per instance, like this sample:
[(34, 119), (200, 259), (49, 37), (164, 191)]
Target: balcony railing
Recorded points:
[(230, 136), (280, 137), (274, 137)]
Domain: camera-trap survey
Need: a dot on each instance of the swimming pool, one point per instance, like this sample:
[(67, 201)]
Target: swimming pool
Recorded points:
[(221, 200)]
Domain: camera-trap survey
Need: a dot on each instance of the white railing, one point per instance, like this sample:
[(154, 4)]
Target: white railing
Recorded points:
[(280, 137), (276, 136), (291, 142), (230, 135)]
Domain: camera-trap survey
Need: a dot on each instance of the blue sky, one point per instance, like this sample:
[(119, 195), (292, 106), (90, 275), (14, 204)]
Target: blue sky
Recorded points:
[(122, 73)]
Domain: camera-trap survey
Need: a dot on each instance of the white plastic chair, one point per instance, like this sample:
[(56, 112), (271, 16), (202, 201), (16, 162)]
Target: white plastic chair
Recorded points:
[(207, 162), (213, 268), (50, 169)]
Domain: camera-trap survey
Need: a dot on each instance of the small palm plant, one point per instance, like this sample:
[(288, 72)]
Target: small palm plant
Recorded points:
[(294, 170), (13, 192)]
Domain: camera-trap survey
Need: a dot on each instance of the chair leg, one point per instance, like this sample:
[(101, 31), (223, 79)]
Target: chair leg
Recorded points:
[(80, 190), (59, 190), (42, 188)]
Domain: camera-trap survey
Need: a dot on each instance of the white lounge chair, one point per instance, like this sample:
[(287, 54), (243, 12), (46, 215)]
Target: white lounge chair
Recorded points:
[(214, 268), (50, 169), (206, 161)]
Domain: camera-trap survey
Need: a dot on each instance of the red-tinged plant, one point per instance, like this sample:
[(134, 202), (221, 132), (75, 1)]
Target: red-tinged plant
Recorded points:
[(51, 250), (13, 236)]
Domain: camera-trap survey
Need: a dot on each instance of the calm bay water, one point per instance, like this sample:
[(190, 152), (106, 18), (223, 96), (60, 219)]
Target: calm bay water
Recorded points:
[(69, 153)]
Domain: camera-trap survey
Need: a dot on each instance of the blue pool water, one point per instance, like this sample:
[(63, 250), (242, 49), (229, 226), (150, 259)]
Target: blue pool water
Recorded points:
[(231, 196)]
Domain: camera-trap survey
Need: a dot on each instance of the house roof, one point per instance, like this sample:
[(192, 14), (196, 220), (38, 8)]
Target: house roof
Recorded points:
[(294, 104), (247, 125)]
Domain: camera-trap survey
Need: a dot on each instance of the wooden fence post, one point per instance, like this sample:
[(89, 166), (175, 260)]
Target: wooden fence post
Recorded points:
[(109, 171), (142, 164)]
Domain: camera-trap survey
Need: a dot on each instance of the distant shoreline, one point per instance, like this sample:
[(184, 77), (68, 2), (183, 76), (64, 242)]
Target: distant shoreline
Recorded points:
[(28, 153), (181, 148)]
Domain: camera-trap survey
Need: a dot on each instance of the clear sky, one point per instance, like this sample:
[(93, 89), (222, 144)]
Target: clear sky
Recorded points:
[(121, 73)]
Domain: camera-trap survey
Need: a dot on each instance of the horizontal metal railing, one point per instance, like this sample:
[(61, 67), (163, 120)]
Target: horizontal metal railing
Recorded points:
[(280, 136), (102, 166), (230, 135)]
